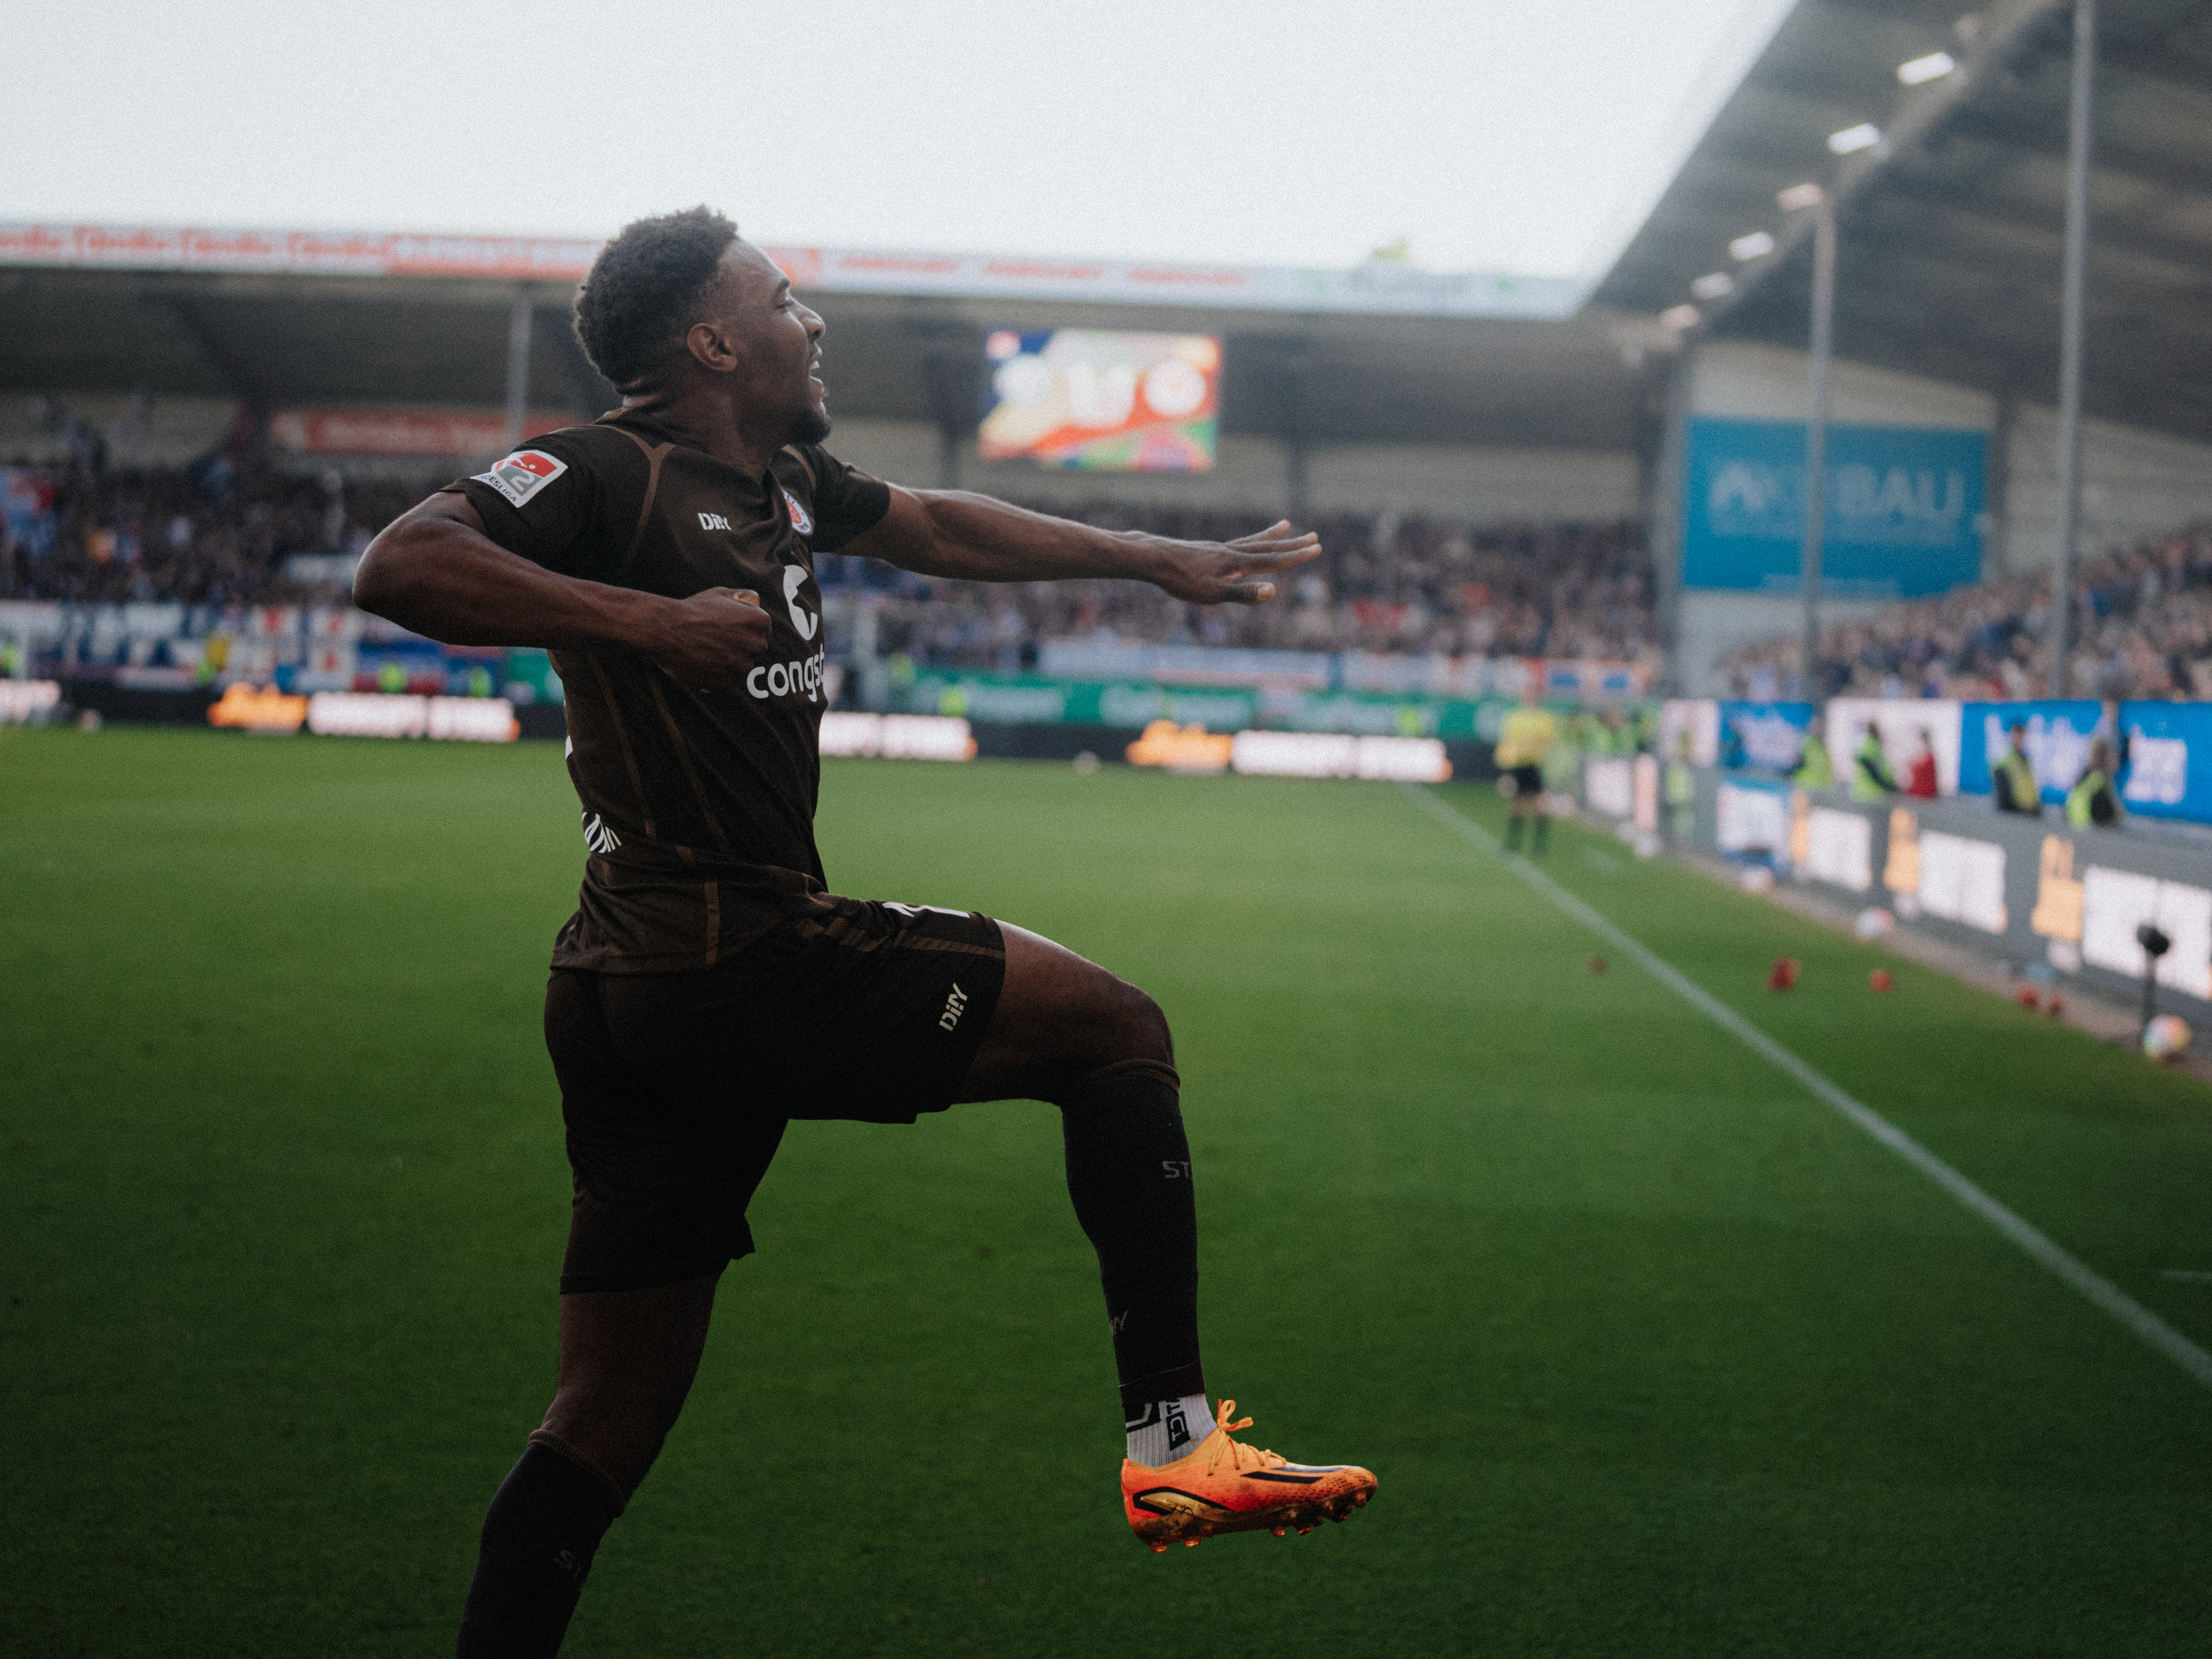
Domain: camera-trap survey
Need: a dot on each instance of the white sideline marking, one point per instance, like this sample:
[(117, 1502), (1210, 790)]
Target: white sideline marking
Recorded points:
[(2094, 1286)]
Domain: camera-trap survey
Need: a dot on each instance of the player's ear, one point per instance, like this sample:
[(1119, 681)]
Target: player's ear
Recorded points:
[(708, 344)]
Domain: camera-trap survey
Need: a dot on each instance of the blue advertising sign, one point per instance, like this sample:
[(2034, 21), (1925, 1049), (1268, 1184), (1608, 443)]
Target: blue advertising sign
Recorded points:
[(2169, 770), (1904, 508), (2057, 742), (1765, 736)]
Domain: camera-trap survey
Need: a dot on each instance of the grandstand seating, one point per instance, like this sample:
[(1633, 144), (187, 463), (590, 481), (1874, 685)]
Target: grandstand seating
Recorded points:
[(1393, 583), (1401, 584), (2144, 629)]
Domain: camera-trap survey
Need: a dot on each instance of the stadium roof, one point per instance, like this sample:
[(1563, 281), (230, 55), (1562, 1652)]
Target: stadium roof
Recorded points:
[(1952, 223), (1382, 352)]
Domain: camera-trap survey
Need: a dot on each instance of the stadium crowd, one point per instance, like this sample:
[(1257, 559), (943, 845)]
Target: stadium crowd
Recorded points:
[(2143, 629), (197, 535), (1386, 583), (203, 536)]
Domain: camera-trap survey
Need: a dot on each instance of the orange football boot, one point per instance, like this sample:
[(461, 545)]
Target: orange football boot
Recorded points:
[(1223, 1485)]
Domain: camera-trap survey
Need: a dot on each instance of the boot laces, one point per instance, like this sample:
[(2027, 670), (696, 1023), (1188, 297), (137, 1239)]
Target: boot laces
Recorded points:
[(1242, 1456)]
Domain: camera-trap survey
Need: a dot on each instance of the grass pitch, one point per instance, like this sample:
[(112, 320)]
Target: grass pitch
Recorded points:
[(1653, 1354)]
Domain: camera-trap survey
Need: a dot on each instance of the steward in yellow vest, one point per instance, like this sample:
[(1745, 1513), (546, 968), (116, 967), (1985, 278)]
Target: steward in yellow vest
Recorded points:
[(1871, 778), (2094, 799), (2013, 787)]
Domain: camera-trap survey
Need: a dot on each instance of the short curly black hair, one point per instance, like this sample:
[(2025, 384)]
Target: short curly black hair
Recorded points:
[(644, 289)]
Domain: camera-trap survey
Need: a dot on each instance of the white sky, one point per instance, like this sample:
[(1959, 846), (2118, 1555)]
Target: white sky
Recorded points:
[(1522, 135)]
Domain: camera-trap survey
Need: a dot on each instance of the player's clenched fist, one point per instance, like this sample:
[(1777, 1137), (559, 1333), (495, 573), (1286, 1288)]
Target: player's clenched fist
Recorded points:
[(712, 639)]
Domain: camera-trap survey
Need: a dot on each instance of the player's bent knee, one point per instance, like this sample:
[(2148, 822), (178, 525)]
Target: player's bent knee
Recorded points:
[(1139, 1028), (618, 1438)]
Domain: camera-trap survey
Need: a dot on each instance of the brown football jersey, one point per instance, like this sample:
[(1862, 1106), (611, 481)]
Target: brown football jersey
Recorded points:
[(698, 806)]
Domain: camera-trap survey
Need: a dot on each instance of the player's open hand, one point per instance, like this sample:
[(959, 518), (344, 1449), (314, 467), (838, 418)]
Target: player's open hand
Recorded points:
[(1235, 573), (711, 640)]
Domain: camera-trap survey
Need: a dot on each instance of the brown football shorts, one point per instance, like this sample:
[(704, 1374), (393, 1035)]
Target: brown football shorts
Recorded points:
[(676, 1087)]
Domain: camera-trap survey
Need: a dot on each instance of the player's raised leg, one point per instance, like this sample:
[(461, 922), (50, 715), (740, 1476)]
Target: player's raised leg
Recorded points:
[(1066, 1031)]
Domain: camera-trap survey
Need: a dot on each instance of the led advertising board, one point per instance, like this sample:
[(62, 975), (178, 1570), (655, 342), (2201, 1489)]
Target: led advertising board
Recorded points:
[(1102, 400), (1905, 506)]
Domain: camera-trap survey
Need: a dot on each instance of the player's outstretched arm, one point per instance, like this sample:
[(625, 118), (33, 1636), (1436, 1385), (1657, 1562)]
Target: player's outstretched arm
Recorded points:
[(953, 532), (433, 570)]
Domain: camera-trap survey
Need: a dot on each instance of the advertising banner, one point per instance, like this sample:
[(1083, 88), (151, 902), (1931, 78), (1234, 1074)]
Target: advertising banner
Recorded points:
[(373, 715), (1102, 400), (1753, 818), (2116, 902), (1902, 721), (2057, 742), (1005, 700), (1322, 755), (896, 737), (1376, 286), (1902, 509), (403, 431), (1765, 737), (25, 700), (1690, 730), (2169, 770)]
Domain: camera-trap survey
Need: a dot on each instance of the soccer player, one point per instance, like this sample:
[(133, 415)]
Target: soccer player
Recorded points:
[(1528, 733), (709, 988)]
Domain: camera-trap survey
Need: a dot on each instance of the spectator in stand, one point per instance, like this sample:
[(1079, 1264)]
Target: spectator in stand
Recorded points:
[(2144, 630), (2013, 787), (175, 535), (1401, 582), (1920, 770)]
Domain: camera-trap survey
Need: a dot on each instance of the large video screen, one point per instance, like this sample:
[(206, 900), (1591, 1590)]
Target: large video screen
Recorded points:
[(1101, 398)]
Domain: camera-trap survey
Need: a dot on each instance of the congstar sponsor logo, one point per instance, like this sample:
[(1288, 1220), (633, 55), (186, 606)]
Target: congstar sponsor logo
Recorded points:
[(801, 677)]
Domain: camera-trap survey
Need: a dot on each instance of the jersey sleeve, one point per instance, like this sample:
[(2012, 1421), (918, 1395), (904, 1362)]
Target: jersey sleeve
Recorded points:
[(848, 501), (544, 502)]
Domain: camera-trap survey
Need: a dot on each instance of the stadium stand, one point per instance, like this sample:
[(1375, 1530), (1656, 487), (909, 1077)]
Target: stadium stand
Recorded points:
[(1409, 584), (2144, 630), (201, 536), (198, 536)]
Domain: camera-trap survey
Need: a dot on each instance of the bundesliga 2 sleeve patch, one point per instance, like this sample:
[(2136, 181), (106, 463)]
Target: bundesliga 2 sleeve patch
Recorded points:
[(523, 474)]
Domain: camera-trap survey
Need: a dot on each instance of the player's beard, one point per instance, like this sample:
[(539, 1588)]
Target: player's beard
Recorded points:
[(811, 427)]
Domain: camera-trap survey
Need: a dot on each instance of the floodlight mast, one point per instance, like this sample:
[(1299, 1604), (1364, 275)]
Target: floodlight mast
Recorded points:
[(2072, 318), (518, 369), (1816, 433)]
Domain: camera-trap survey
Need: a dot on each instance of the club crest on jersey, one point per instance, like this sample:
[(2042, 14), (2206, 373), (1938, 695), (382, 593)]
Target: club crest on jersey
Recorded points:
[(523, 474), (799, 521)]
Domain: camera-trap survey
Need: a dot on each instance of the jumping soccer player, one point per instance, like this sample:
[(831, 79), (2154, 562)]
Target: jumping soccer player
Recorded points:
[(708, 989)]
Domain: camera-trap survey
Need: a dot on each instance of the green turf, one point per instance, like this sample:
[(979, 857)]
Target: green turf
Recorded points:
[(1653, 1353)]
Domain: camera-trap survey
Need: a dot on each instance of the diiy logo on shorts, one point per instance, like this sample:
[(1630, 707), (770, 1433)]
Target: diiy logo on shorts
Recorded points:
[(955, 1006)]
